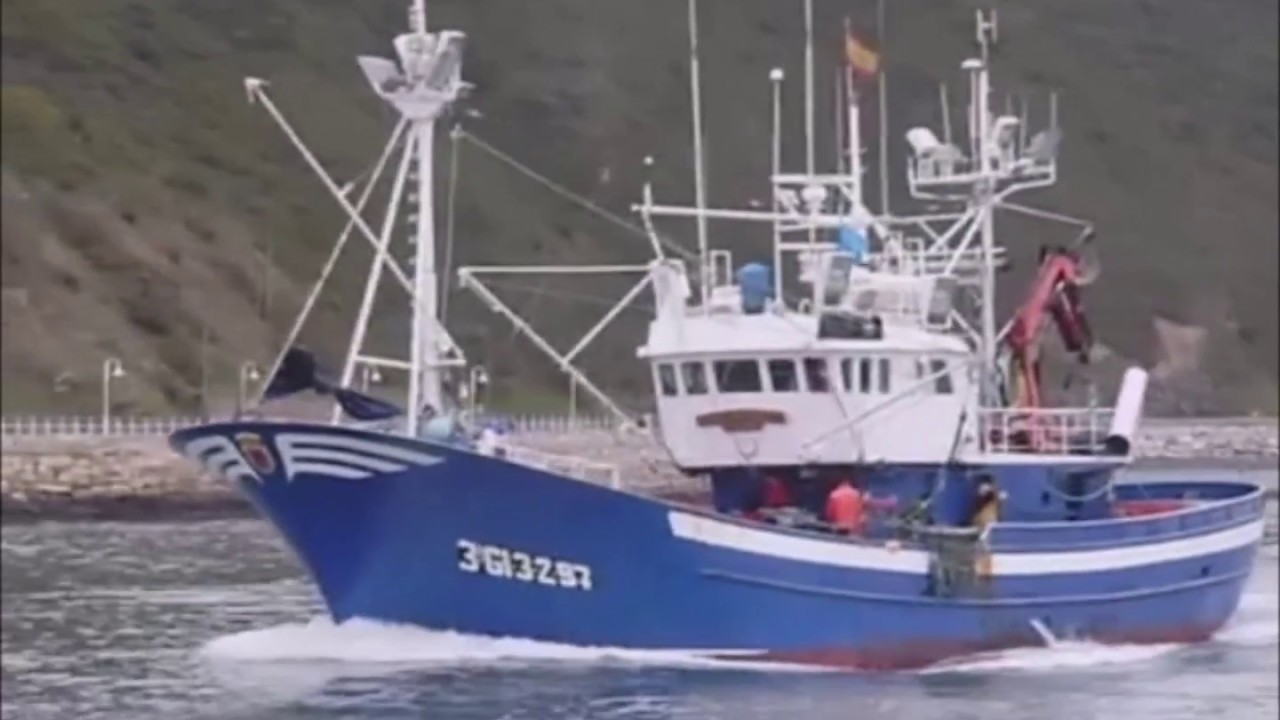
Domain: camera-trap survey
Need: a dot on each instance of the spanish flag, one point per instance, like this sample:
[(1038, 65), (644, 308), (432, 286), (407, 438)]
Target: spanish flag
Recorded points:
[(863, 61)]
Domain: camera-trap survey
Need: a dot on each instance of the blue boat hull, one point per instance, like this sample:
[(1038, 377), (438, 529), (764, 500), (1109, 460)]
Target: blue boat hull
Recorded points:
[(412, 532)]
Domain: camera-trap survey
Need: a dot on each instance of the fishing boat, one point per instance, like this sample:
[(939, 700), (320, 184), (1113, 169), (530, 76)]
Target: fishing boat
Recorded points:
[(879, 367)]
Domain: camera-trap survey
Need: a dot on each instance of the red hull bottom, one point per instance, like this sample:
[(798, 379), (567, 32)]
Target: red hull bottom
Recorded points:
[(915, 656)]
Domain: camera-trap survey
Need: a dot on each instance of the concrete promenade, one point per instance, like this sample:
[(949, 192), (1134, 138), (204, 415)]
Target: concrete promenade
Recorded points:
[(139, 478)]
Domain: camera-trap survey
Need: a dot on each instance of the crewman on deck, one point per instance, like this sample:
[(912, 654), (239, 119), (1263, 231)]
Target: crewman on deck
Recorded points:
[(986, 508), (776, 494), (986, 511), (845, 509)]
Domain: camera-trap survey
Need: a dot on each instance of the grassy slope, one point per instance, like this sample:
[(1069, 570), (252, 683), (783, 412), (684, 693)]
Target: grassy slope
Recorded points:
[(140, 192)]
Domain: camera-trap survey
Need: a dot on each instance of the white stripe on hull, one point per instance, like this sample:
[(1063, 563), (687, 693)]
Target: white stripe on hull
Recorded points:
[(855, 556), (344, 457), (220, 458)]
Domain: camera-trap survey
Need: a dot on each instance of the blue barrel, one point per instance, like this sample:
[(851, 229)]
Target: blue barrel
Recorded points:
[(852, 241), (755, 280)]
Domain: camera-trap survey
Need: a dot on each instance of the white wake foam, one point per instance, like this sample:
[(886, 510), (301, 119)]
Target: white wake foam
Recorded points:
[(367, 642), (1061, 655), (366, 646), (1255, 623)]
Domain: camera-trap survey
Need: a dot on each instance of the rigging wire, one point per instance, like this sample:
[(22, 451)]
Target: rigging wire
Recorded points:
[(567, 295), (450, 205), (573, 197)]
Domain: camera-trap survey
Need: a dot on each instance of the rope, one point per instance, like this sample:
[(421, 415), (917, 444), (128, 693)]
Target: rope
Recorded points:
[(566, 295), (1106, 487)]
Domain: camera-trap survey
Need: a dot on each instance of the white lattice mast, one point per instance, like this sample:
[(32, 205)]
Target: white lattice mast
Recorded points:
[(423, 86), (985, 201)]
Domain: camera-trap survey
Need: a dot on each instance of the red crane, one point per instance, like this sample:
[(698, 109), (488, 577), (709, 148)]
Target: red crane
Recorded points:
[(1054, 293)]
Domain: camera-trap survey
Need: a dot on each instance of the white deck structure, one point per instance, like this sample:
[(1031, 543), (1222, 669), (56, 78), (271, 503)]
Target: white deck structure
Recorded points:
[(869, 354)]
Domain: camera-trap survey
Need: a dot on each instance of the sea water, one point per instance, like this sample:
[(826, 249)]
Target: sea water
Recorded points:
[(215, 620)]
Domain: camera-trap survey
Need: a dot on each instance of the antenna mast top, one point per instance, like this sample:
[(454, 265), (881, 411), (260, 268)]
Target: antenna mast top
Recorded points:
[(418, 17), (987, 32)]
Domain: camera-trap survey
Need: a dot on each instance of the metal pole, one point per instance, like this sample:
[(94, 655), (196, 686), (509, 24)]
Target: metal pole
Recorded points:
[(884, 114), (842, 166), (107, 367), (946, 113), (808, 97), (248, 373), (268, 259), (375, 268), (775, 78), (204, 370), (699, 189), (573, 403), (106, 396)]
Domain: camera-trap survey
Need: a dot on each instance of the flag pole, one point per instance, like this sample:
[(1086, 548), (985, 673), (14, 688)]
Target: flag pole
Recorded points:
[(808, 98), (842, 164), (883, 81), (851, 117)]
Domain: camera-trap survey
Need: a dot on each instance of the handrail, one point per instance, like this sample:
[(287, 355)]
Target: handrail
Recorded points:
[(1044, 430), (576, 467)]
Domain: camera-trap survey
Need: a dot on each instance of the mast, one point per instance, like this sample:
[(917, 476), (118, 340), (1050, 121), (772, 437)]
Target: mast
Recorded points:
[(699, 182), (423, 87), (985, 199), (424, 378), (775, 158)]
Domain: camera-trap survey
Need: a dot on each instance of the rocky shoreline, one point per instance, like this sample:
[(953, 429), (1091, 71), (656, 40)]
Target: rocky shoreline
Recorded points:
[(140, 479)]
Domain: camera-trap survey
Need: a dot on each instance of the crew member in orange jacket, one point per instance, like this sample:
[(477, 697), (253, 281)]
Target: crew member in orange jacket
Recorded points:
[(846, 510)]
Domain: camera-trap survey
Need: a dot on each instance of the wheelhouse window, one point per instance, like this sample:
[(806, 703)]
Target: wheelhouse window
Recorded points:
[(737, 376), (694, 375), (815, 375), (846, 374), (942, 383), (782, 375), (884, 371), (667, 380), (864, 375)]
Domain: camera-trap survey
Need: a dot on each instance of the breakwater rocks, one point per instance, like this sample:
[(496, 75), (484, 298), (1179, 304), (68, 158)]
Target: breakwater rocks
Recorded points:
[(141, 479)]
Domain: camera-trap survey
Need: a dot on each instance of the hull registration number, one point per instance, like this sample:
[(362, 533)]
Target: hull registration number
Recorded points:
[(500, 562)]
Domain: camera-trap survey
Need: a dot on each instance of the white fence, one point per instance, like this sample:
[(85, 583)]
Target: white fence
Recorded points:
[(70, 426), (40, 426), (124, 426)]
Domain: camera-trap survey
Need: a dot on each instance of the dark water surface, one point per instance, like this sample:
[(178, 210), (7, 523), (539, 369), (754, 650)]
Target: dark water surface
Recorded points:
[(214, 620)]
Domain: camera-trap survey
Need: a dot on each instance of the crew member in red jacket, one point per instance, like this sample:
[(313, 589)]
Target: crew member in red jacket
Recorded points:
[(846, 509)]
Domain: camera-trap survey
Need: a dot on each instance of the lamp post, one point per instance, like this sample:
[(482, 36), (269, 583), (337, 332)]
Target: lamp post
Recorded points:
[(112, 368), (573, 403), (476, 377), (248, 373)]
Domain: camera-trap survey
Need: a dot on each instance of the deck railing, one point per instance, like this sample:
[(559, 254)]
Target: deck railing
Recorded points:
[(576, 467), (1045, 430)]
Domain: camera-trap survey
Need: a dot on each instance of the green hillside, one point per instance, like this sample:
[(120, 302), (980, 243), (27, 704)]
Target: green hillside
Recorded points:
[(150, 213)]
